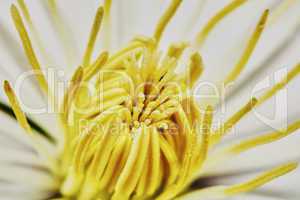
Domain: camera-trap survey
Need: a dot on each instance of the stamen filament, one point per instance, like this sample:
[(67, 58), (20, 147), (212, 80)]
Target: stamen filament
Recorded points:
[(220, 133), (93, 36), (263, 139), (36, 36), (71, 92), (194, 70), (96, 66), (175, 50), (236, 71), (171, 157), (205, 136), (28, 48), (107, 24), (165, 19), (201, 36), (21, 117), (134, 165), (261, 180), (223, 192)]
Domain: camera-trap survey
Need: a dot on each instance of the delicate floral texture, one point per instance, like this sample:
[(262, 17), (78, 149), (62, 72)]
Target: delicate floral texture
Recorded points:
[(137, 121)]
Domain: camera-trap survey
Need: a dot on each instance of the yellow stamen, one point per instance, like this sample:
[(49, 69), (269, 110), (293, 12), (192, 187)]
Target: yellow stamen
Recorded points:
[(165, 19), (112, 168), (114, 100), (201, 36), (103, 151), (217, 135), (33, 29), (107, 23), (148, 182), (194, 71), (192, 109), (223, 192), (133, 71), (171, 158), (22, 119), (176, 49), (261, 180), (183, 124), (264, 139), (70, 94), (134, 165), (205, 136), (118, 58), (28, 48), (16, 107), (96, 66), (149, 42), (167, 65), (277, 87), (93, 36), (238, 68), (129, 48), (118, 172), (154, 173), (71, 185)]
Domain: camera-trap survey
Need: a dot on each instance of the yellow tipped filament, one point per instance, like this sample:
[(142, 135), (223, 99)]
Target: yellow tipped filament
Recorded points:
[(28, 48), (25, 11), (261, 180), (22, 119), (249, 49), (16, 107), (93, 36), (32, 28), (201, 37), (165, 19), (107, 23), (107, 9), (277, 87)]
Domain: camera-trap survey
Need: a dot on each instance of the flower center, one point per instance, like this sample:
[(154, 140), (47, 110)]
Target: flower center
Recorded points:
[(130, 123)]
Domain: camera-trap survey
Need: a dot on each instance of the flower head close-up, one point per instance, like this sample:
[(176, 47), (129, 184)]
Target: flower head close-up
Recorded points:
[(141, 100)]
